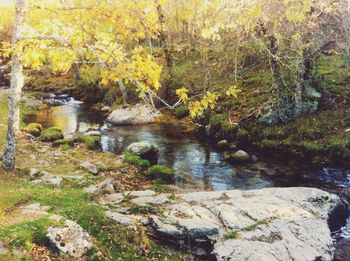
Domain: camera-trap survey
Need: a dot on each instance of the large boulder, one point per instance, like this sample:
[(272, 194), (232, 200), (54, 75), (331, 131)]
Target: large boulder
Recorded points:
[(266, 224), (139, 114), (145, 151), (70, 239)]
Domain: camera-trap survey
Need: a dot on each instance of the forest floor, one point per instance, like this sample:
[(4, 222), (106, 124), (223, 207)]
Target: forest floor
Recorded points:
[(24, 233)]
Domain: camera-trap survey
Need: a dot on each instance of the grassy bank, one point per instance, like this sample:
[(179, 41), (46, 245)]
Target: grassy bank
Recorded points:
[(26, 232), (321, 137)]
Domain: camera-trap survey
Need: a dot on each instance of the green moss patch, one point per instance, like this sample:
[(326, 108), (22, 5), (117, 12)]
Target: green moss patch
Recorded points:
[(92, 142), (135, 160), (34, 129), (160, 172), (51, 134)]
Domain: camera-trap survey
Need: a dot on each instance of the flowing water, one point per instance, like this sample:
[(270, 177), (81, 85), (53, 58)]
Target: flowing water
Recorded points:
[(197, 163)]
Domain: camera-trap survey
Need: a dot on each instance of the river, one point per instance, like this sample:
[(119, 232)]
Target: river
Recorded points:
[(197, 163)]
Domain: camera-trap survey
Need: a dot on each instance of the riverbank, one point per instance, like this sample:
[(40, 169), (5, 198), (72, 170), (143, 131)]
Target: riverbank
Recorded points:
[(54, 188), (23, 231)]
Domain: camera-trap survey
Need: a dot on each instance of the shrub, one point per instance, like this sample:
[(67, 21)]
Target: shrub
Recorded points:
[(51, 134), (160, 172)]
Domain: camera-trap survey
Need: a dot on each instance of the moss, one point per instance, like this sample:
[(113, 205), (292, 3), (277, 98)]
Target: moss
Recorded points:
[(160, 172), (231, 235), (92, 142), (135, 160), (181, 112), (160, 188), (216, 120), (51, 134), (242, 137), (58, 143), (34, 129)]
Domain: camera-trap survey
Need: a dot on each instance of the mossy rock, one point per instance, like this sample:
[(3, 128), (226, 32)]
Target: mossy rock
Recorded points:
[(34, 129), (58, 143), (51, 134), (133, 159), (160, 172), (92, 142), (182, 112)]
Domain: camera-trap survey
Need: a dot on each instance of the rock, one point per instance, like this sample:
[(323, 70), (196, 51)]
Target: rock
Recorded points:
[(223, 144), (141, 193), (105, 109), (56, 217), (114, 198), (342, 252), (238, 157), (254, 159), (271, 223), (34, 129), (139, 114), (48, 179), (145, 151), (3, 250), (70, 239), (34, 209), (34, 173), (89, 167), (51, 135), (127, 220), (152, 200), (105, 187), (92, 133)]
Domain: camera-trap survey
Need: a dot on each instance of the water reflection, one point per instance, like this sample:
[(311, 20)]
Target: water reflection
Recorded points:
[(196, 162)]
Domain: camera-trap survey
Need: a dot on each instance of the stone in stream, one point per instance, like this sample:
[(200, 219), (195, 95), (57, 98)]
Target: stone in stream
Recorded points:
[(145, 151), (70, 239), (238, 157), (89, 167), (139, 114), (269, 224), (223, 144), (92, 133)]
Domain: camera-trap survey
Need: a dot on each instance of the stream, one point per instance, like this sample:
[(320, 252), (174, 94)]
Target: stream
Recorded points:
[(197, 163)]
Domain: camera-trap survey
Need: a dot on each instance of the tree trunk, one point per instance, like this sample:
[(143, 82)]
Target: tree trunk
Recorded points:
[(123, 91), (283, 104), (17, 81), (163, 39)]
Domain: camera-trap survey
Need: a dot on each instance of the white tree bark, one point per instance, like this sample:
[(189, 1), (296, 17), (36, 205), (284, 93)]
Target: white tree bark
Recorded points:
[(17, 81)]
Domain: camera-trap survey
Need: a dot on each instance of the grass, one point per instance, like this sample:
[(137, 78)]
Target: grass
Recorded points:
[(26, 232)]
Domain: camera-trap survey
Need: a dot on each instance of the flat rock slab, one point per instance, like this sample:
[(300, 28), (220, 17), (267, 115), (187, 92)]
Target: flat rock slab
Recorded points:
[(267, 224), (49, 179)]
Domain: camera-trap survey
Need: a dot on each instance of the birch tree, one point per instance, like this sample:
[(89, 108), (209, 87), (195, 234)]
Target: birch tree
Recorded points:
[(17, 81)]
